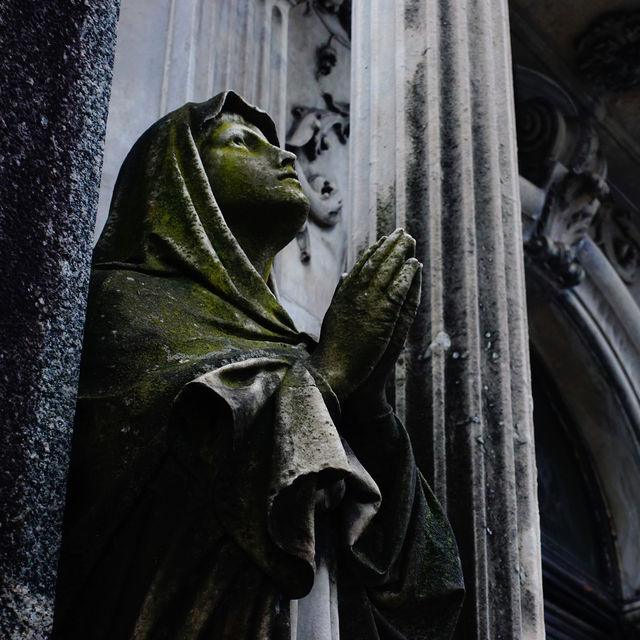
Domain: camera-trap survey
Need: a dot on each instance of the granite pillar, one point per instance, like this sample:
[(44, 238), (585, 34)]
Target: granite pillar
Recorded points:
[(433, 148), (55, 78)]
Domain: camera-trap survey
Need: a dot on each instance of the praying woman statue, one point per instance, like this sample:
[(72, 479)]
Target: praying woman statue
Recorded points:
[(232, 478)]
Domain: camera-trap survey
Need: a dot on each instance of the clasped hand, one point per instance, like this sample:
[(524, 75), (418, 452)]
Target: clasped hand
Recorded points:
[(367, 322)]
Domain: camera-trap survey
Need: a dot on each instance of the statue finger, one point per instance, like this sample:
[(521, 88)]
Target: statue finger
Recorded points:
[(401, 284), (406, 316), (412, 301), (404, 249), (378, 257), (360, 262)]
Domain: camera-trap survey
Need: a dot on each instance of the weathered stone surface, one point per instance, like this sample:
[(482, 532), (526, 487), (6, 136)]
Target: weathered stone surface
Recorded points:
[(55, 77)]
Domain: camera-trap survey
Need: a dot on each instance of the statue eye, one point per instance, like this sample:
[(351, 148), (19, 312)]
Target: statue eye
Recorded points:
[(238, 140)]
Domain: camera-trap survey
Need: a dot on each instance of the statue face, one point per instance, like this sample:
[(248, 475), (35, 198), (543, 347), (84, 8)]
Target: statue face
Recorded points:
[(254, 182)]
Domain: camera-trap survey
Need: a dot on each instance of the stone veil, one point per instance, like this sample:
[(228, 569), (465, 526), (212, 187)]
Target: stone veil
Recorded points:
[(214, 474)]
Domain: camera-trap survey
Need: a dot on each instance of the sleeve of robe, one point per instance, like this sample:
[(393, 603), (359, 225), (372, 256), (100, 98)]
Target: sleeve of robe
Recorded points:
[(401, 578), (399, 575)]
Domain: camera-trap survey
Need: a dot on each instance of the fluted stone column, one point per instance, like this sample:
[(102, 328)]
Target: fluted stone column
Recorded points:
[(434, 149)]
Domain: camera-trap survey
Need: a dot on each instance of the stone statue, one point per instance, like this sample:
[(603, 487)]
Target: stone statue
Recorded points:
[(230, 477)]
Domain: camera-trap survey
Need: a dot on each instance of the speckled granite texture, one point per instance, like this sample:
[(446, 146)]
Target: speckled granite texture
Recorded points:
[(55, 74)]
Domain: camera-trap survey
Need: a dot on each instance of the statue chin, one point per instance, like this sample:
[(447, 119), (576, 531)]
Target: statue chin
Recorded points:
[(273, 225), (297, 213)]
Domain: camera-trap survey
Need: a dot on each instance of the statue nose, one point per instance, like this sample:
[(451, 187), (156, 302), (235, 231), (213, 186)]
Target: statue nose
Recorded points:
[(287, 159)]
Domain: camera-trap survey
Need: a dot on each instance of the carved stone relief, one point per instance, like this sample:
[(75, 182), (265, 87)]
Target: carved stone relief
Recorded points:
[(310, 132), (327, 54), (310, 135), (562, 165), (559, 153), (317, 131), (609, 52), (617, 233), (571, 205)]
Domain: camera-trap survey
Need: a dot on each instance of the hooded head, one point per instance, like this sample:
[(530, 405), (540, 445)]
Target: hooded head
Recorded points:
[(255, 185), (165, 218)]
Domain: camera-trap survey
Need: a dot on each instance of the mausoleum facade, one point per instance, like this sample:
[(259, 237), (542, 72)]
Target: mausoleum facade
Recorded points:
[(500, 134)]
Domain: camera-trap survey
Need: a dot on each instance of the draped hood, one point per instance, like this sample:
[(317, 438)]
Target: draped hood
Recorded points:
[(165, 220)]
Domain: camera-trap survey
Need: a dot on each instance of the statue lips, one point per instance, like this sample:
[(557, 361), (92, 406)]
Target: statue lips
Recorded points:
[(290, 175)]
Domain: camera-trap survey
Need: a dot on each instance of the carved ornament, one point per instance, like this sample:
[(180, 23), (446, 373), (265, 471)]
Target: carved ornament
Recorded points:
[(310, 136), (312, 126), (609, 52), (572, 203), (618, 235), (558, 151)]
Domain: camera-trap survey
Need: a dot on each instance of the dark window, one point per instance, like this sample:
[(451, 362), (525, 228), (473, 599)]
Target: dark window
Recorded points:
[(579, 574)]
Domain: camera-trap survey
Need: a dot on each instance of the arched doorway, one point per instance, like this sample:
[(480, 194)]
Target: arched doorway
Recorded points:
[(580, 574), (588, 469)]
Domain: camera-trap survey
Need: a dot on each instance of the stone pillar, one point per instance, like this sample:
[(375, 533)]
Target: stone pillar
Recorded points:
[(55, 78), (434, 149)]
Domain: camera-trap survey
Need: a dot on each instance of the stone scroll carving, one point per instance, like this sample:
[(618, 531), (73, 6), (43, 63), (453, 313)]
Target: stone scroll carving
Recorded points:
[(558, 151), (310, 135), (232, 478), (311, 126)]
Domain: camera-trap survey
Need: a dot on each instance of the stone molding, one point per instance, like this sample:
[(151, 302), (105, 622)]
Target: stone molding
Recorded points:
[(607, 320)]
